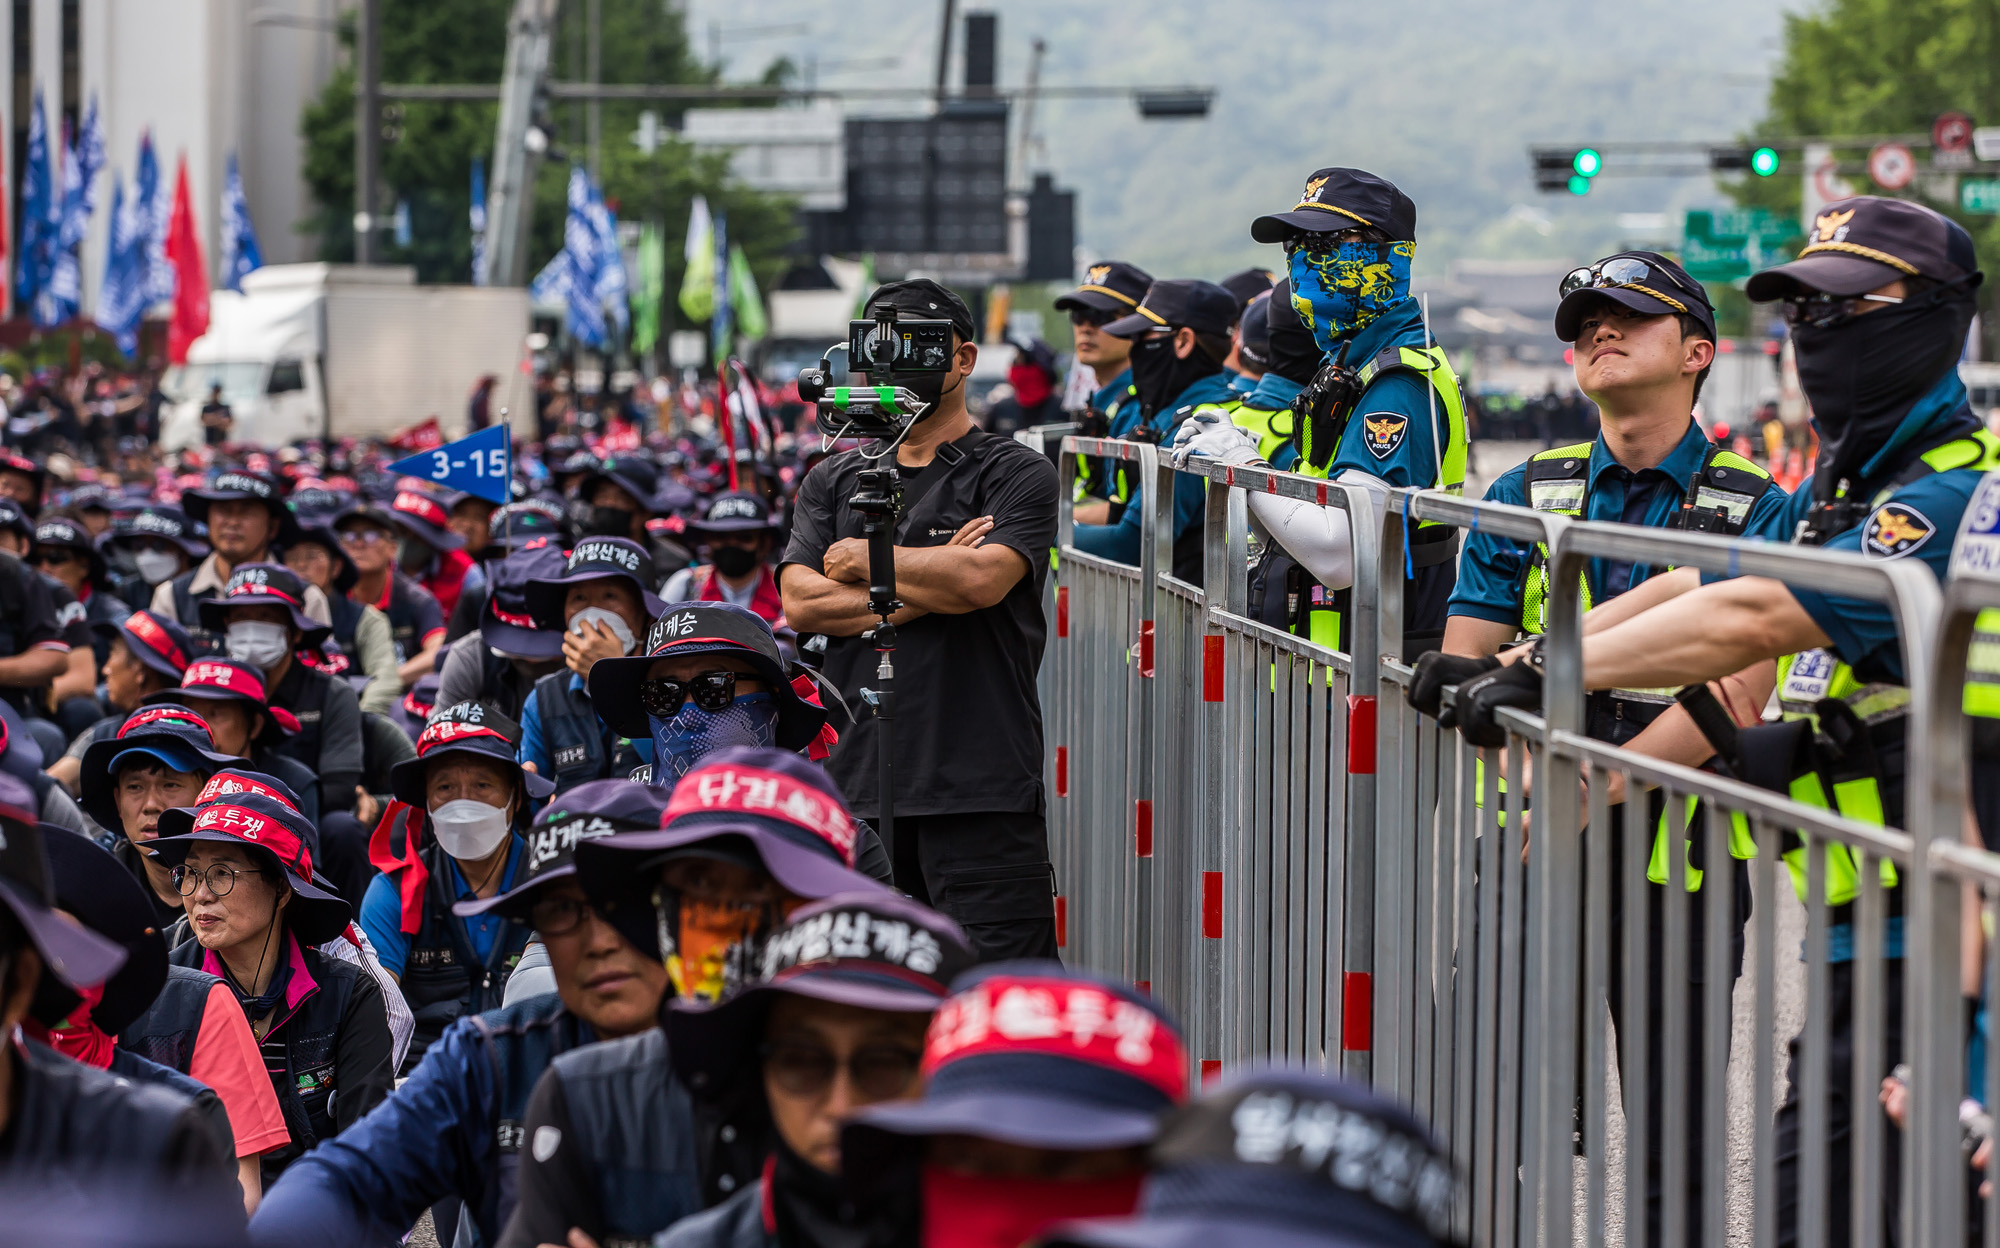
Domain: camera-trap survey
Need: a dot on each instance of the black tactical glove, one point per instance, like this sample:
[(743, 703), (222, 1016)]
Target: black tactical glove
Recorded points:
[(1519, 684), (1435, 671)]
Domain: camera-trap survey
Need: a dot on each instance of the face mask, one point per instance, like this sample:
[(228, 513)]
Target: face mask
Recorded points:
[(259, 643), (706, 955), (930, 388), (1338, 293), (1160, 377), (733, 560), (681, 742), (608, 522), (156, 566), (971, 1211), (611, 620), (1863, 375), (469, 829), (1295, 356)]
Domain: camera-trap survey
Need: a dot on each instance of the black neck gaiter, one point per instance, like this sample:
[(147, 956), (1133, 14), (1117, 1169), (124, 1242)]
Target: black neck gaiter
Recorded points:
[(1160, 377), (1294, 354)]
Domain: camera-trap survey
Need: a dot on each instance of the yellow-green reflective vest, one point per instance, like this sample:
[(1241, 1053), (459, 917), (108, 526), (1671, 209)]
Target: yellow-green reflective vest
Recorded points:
[(1119, 488), (1274, 430), (1977, 549), (1323, 612)]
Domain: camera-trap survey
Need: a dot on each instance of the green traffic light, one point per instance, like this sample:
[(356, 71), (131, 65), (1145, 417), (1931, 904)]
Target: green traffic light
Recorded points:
[(1764, 162), (1579, 185), (1586, 163)]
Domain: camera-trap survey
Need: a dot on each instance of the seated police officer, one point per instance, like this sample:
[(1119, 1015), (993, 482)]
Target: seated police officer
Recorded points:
[(1180, 334), (1879, 301), (972, 556), (1390, 415), (1644, 337), (1110, 291), (453, 1129)]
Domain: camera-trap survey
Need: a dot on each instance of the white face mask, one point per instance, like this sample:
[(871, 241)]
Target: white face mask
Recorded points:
[(259, 643), (156, 565), (468, 828), (611, 620)]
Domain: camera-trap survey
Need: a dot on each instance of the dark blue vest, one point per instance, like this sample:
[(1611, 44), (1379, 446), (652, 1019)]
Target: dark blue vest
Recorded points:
[(522, 1039), (443, 979), (637, 1123), (575, 736), (166, 1032)]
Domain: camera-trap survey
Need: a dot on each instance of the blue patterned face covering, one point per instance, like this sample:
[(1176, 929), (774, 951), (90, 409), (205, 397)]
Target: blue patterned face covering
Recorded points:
[(681, 742), (1339, 290)]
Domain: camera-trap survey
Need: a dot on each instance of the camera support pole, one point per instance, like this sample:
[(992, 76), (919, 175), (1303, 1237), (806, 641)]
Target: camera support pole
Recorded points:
[(878, 501)]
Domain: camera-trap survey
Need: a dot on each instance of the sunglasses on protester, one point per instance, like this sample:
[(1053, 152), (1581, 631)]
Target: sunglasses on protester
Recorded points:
[(879, 1072), (1622, 273), (664, 697), (1323, 243), (56, 558)]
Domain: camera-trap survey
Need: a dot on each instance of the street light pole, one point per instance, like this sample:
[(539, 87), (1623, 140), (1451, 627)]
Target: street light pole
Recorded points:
[(367, 127)]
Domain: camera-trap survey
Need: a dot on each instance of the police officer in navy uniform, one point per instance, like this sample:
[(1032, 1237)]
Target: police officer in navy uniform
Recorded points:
[(1389, 412), (1644, 336), (1180, 334), (1879, 302), (1249, 286), (1110, 290)]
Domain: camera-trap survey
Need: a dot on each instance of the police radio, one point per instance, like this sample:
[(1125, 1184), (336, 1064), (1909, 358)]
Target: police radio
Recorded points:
[(1326, 403), (886, 349)]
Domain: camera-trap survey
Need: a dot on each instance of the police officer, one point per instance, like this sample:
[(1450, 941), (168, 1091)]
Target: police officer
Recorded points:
[(1286, 357), (1248, 285), (1644, 336), (1109, 291), (1180, 334), (1385, 411), (1879, 302)]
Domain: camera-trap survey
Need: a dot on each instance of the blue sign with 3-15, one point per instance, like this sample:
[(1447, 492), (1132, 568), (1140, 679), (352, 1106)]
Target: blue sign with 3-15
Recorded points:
[(481, 465)]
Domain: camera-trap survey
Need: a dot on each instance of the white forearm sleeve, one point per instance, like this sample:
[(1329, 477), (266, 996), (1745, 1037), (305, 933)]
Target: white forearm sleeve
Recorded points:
[(1318, 537)]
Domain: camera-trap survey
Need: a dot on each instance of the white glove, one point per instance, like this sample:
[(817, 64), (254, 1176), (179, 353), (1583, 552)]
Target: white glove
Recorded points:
[(1212, 436)]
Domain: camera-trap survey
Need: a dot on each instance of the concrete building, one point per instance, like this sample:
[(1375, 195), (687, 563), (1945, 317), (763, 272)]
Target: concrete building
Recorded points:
[(206, 77)]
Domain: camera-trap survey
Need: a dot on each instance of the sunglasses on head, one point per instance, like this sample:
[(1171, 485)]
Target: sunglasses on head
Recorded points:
[(1621, 274), (664, 697)]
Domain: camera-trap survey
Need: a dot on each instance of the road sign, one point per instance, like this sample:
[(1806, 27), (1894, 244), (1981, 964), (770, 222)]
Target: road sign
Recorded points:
[(1891, 166), (481, 465), (1723, 246), (1979, 195), (1951, 132), (1986, 142)]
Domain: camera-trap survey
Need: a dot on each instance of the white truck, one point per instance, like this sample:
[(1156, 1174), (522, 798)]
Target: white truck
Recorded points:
[(336, 350)]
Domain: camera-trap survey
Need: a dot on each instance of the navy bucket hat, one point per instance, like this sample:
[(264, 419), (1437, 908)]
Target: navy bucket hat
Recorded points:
[(703, 628), (505, 623), (262, 585), (592, 558), (464, 728), (173, 736)]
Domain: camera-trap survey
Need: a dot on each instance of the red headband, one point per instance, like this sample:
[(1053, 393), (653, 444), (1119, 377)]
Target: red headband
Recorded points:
[(448, 730), (245, 824), (153, 715), (1058, 1018), (767, 795), (411, 503), (224, 783), (142, 625), (209, 674)]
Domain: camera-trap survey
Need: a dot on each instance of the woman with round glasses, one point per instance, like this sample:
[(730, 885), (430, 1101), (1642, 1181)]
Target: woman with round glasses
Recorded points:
[(243, 868)]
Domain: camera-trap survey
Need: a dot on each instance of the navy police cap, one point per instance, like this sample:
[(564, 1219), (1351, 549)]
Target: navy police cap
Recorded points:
[(1342, 199), (1201, 306), (1112, 286), (1864, 243)]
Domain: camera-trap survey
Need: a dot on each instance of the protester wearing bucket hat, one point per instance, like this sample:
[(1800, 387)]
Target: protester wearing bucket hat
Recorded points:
[(617, 497), (243, 865), (436, 558), (233, 699), (66, 1126), (220, 1068), (1290, 1159), (145, 653), (363, 641), (834, 1022), (148, 548), (22, 480), (747, 838), (517, 524), (159, 759), (65, 550), (499, 663), (247, 523), (460, 805), (737, 532), (1043, 1086), (603, 603), (416, 619)]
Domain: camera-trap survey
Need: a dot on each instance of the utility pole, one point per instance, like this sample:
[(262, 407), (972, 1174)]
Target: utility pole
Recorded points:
[(594, 73), (944, 47), (367, 127), (518, 143)]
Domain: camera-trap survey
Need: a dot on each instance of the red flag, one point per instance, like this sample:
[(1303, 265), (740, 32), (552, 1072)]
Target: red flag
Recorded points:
[(190, 274), (421, 437)]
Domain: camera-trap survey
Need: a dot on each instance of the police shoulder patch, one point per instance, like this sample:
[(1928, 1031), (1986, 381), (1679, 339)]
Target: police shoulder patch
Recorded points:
[(1383, 432), (1894, 530)]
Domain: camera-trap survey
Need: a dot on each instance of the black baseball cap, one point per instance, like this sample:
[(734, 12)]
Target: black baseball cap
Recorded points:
[(1256, 330), (1864, 243), (920, 298), (1644, 281), (1201, 306), (1247, 285), (1342, 199), (1113, 286)]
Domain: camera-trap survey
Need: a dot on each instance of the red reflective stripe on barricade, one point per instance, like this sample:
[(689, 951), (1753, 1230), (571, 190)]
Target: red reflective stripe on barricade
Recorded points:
[(1360, 735), (1357, 1012), (1229, 476), (1062, 921), (1210, 1071), (1320, 490), (1062, 610), (1211, 905), (1211, 667), (1146, 648), (1143, 827), (1062, 771)]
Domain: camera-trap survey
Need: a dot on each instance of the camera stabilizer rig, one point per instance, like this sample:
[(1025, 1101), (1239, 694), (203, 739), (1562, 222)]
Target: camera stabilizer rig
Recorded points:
[(884, 348)]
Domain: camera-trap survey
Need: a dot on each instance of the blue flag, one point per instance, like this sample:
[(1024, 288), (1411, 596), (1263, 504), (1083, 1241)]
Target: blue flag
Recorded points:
[(586, 312), (481, 465), (478, 221), (611, 286), (39, 218), (82, 159), (154, 200), (121, 301), (240, 253)]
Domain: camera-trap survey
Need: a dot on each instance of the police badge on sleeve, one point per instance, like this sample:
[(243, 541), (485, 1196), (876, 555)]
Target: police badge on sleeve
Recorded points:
[(1383, 432), (1894, 530)]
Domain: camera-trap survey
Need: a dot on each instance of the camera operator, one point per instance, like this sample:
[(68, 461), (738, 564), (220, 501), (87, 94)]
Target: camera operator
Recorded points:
[(973, 540)]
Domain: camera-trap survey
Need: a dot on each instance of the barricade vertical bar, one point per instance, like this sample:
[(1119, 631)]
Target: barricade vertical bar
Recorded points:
[(1635, 1041), (1466, 979), (1307, 957), (1812, 1095), (1513, 925), (1596, 977), (1364, 683), (1421, 835), (1219, 817), (1764, 1154), (1719, 911), (1486, 1170), (1869, 1010), (1673, 1036)]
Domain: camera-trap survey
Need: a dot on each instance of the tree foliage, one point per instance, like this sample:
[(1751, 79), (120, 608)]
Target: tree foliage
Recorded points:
[(428, 147)]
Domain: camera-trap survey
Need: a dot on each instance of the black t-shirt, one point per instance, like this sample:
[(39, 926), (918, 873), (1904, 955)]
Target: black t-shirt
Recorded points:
[(413, 615), (968, 720), (72, 617)]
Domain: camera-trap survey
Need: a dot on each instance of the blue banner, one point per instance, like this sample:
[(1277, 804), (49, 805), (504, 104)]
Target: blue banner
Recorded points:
[(481, 465)]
